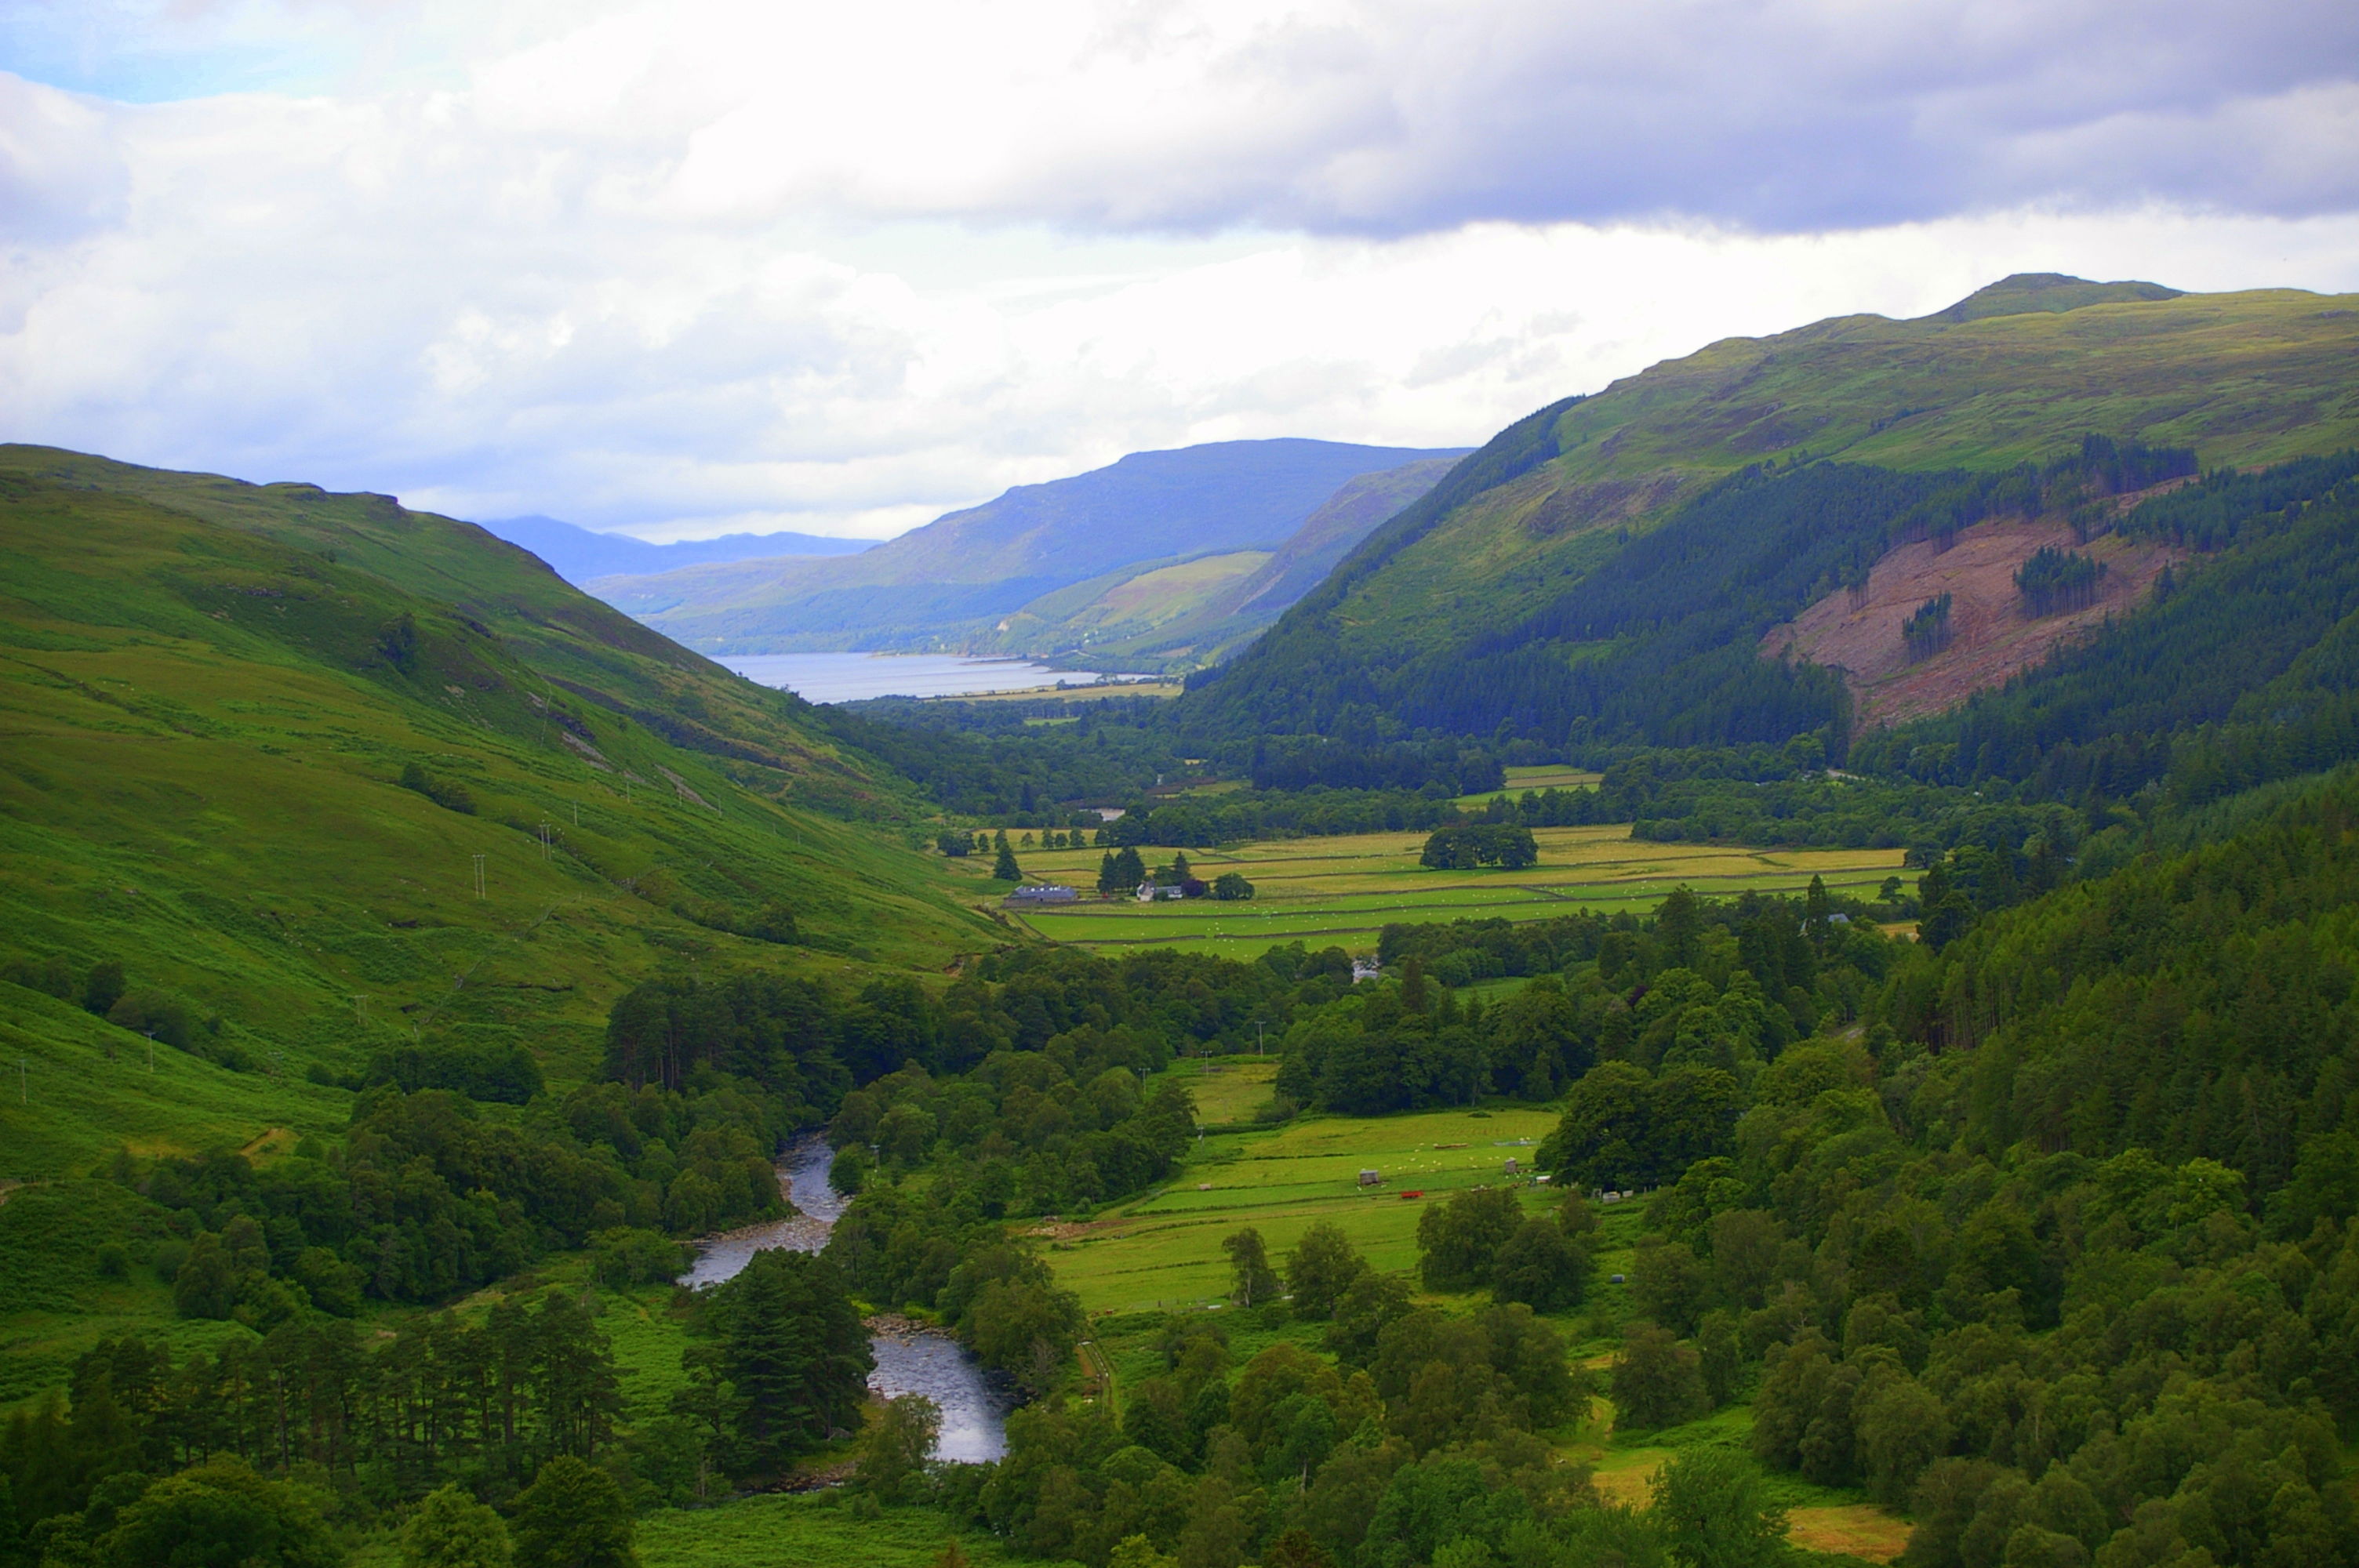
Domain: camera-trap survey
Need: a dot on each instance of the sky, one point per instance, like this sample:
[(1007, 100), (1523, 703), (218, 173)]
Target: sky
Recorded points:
[(722, 266)]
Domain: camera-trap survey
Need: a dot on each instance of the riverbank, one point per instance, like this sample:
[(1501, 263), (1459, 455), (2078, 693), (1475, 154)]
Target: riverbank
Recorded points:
[(912, 1357)]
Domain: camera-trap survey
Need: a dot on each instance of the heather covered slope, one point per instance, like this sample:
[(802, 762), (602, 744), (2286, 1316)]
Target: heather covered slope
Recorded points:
[(259, 740), (1475, 570), (951, 582)]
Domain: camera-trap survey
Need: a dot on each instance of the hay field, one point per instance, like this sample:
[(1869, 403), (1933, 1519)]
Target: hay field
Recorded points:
[(1342, 891)]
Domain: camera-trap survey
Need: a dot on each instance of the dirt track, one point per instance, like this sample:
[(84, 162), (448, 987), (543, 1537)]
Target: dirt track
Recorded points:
[(1992, 637)]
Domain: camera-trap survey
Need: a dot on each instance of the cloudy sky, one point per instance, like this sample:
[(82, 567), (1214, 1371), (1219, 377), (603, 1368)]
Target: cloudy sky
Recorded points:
[(685, 269)]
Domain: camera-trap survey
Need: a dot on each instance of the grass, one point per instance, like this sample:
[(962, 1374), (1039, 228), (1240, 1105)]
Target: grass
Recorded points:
[(809, 1530), (1551, 776), (1164, 1248), (1342, 891), (200, 779), (1227, 1089)]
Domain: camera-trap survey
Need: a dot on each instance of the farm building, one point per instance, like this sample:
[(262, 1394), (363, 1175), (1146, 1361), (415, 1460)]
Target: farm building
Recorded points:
[(1371, 1178), (1044, 892)]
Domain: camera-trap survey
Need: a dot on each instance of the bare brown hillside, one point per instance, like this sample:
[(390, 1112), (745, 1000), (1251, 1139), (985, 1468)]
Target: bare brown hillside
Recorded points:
[(1993, 638)]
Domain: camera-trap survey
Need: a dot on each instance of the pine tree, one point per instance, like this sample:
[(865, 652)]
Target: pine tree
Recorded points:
[(1005, 868)]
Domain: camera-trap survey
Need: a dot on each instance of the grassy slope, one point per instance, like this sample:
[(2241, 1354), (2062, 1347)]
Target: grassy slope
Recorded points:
[(2243, 378), (1125, 618), (203, 740)]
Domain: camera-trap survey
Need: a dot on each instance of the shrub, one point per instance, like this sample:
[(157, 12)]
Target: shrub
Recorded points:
[(153, 1011), (442, 792)]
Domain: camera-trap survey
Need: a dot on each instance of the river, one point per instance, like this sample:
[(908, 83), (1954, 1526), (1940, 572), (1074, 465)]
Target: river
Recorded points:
[(911, 1358)]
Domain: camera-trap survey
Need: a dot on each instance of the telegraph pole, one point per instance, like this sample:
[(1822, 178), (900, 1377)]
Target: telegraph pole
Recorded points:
[(479, 876)]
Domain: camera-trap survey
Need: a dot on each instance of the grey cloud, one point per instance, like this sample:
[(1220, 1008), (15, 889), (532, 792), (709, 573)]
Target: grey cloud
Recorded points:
[(1774, 117)]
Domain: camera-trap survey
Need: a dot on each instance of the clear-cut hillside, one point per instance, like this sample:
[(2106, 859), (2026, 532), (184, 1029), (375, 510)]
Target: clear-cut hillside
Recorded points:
[(1447, 616)]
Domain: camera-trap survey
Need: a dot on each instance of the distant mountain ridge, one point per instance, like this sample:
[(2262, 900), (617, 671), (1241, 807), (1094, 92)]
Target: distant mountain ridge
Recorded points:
[(579, 555), (952, 583), (1199, 612)]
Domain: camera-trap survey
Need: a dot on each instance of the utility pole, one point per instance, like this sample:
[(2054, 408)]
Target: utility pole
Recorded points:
[(24, 1094), (544, 840), (151, 1051), (577, 813), (1257, 1044), (479, 876)]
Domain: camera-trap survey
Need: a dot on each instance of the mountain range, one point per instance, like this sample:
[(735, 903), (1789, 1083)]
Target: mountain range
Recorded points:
[(580, 555), (1162, 558)]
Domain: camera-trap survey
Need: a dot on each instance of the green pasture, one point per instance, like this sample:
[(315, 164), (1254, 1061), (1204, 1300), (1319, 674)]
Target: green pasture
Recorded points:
[(1551, 776), (1226, 1090), (1342, 891), (813, 1530), (1164, 1247)]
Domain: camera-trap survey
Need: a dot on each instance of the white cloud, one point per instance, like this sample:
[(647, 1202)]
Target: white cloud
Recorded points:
[(716, 265)]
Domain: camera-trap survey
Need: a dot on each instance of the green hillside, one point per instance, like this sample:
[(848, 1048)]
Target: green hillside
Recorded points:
[(2245, 379), (214, 693)]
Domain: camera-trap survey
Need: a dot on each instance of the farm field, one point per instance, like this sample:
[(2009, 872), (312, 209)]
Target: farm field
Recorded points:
[(1552, 775), (1164, 1247), (1227, 1089), (1342, 891)]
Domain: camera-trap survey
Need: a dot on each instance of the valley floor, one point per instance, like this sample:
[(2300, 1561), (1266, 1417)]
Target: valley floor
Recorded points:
[(1344, 891)]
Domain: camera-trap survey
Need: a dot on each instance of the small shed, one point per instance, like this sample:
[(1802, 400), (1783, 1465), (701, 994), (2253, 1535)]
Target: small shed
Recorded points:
[(1371, 1178), (1511, 1165)]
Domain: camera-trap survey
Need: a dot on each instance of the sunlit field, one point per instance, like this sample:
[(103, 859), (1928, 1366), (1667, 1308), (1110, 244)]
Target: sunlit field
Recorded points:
[(1553, 775), (1344, 891), (1164, 1247)]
